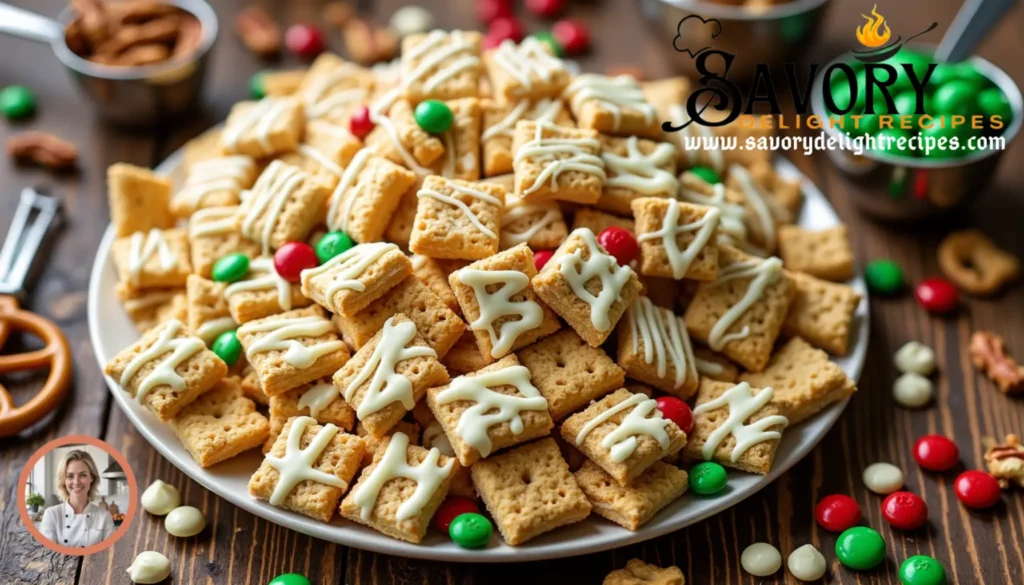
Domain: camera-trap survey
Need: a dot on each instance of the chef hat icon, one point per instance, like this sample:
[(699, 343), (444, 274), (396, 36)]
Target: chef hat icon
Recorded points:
[(694, 34)]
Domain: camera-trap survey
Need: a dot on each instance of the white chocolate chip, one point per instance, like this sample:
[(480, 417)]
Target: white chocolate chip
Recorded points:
[(807, 563), (915, 357), (761, 559), (160, 498), (883, 478), (912, 390), (185, 521), (149, 567), (411, 19), (434, 437)]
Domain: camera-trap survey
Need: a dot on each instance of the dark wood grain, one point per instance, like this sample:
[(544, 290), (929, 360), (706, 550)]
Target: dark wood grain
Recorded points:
[(237, 548)]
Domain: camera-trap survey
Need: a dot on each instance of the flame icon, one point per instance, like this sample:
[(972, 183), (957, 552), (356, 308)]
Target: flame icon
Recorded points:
[(875, 32)]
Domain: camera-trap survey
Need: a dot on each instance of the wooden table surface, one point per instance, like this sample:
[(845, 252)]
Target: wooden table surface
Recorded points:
[(237, 548)]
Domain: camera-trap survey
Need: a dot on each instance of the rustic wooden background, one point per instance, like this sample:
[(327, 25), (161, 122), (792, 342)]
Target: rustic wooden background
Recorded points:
[(975, 547)]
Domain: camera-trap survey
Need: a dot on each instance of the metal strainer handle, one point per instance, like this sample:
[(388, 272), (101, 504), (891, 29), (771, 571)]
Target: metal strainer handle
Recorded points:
[(971, 25), (29, 25)]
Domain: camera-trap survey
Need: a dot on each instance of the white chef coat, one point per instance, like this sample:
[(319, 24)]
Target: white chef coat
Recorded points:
[(65, 528)]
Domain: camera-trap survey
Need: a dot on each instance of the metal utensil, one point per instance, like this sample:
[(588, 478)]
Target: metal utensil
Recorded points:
[(134, 96), (971, 25)]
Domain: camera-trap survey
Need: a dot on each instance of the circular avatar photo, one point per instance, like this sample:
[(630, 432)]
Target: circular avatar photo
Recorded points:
[(79, 495)]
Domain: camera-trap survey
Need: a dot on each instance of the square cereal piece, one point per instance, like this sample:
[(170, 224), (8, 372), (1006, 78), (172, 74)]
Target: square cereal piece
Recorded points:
[(265, 128), (214, 233), (330, 459), (292, 348), (434, 437), (638, 572), (435, 322), (786, 195), (150, 307), (319, 400), (461, 159), (325, 151), (677, 240), (167, 369), (663, 292), (598, 221), (399, 228), (804, 380), (655, 348), (729, 315), (491, 409), (569, 373), (366, 196), (441, 65), (208, 313), (283, 83), (153, 259), (714, 365), (400, 491), (665, 93), (646, 438), (525, 71), (499, 122), (457, 219), (333, 88), (586, 286), (731, 205), (139, 199), (499, 304), (355, 278), (636, 168), (612, 105), (632, 506), (763, 213), (215, 182), (542, 153), (283, 206), (220, 424), (409, 429), (205, 146), (465, 357), (262, 292), (821, 312), (722, 409), (397, 137), (251, 388), (389, 375), (823, 254), (538, 225), (429, 272), (529, 490)]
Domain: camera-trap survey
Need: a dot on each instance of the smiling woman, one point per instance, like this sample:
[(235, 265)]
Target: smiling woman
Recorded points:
[(76, 521)]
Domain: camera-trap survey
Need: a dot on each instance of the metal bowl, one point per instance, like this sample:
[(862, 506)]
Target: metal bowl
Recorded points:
[(906, 189), (772, 35)]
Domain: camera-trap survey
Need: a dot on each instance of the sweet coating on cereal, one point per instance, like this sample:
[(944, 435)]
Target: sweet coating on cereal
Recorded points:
[(153, 259), (457, 219), (461, 159), (352, 280), (677, 239), (655, 348), (319, 400), (525, 70), (636, 168), (539, 225), (441, 65), (553, 162), (214, 233), (612, 105), (499, 122), (398, 138), (283, 206)]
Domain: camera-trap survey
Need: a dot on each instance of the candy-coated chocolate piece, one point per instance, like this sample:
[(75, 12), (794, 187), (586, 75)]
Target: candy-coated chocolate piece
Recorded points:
[(546, 8), (958, 97), (573, 35), (837, 512), (922, 570), (331, 244), (708, 478), (620, 243), (470, 530), (709, 174), (230, 268), (227, 347), (977, 489), (506, 27), (541, 257), (676, 411), (257, 90), (434, 116), (304, 40), (488, 10), (451, 508), (905, 510), (936, 453), (549, 39), (993, 102), (360, 123), (937, 295), (860, 548), (884, 277), (292, 258), (17, 102), (290, 579)]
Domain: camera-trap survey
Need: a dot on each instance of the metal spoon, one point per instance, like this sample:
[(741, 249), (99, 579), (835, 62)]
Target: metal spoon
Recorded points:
[(972, 24)]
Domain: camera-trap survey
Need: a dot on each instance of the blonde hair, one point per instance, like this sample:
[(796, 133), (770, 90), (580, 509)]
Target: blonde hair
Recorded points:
[(77, 455)]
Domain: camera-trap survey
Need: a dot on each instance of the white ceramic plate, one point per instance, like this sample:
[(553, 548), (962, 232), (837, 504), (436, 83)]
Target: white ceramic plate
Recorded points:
[(111, 330)]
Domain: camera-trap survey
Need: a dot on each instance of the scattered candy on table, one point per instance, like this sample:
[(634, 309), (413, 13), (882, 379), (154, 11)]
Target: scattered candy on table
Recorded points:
[(937, 295), (977, 489), (290, 579), (837, 512), (292, 258), (936, 453), (360, 123), (676, 411), (149, 567), (708, 478), (912, 390), (160, 498), (434, 116), (620, 243), (883, 478), (411, 19), (761, 559), (227, 347), (860, 548), (451, 508), (470, 530), (915, 357), (572, 35), (708, 174), (546, 8), (331, 244), (17, 102), (884, 277), (185, 521), (488, 10), (541, 257), (806, 563), (304, 40), (231, 268), (922, 570), (506, 28), (905, 510)]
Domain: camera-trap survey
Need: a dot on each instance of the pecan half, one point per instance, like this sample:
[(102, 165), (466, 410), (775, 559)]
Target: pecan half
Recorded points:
[(258, 31), (160, 30), (146, 54), (368, 45), (989, 356), (43, 149), (1005, 461)]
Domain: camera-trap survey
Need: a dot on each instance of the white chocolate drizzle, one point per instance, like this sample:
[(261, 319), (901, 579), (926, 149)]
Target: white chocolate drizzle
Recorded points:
[(664, 337), (742, 405), (269, 195), (544, 110), (142, 248), (433, 50), (321, 159), (732, 229), (613, 93), (386, 385), (461, 206), (644, 418), (339, 211), (210, 330), (764, 273), (227, 173), (708, 367), (165, 372), (263, 276), (282, 334), (214, 221), (319, 101), (345, 269), (394, 464), (297, 463), (260, 118), (492, 408), (434, 437), (680, 117), (548, 150), (680, 260), (499, 304), (318, 397), (379, 116), (515, 210), (599, 265), (527, 60), (641, 172), (757, 200)]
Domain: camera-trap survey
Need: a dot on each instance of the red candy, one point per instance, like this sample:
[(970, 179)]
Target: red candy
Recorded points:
[(450, 508), (506, 27), (360, 124), (837, 512), (573, 36), (304, 40), (676, 411), (905, 510), (541, 257), (292, 258), (546, 8), (619, 242), (977, 489), (488, 10), (936, 453), (937, 295)]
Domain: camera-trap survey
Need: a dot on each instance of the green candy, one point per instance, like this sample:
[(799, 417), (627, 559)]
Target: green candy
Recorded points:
[(968, 72), (944, 73), (958, 97), (434, 116), (256, 88), (906, 103), (884, 277), (17, 102), (231, 268), (860, 548), (470, 530), (917, 61), (708, 478), (708, 174), (549, 39), (922, 570), (993, 102), (868, 124), (290, 579), (227, 347), (891, 146), (332, 244)]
